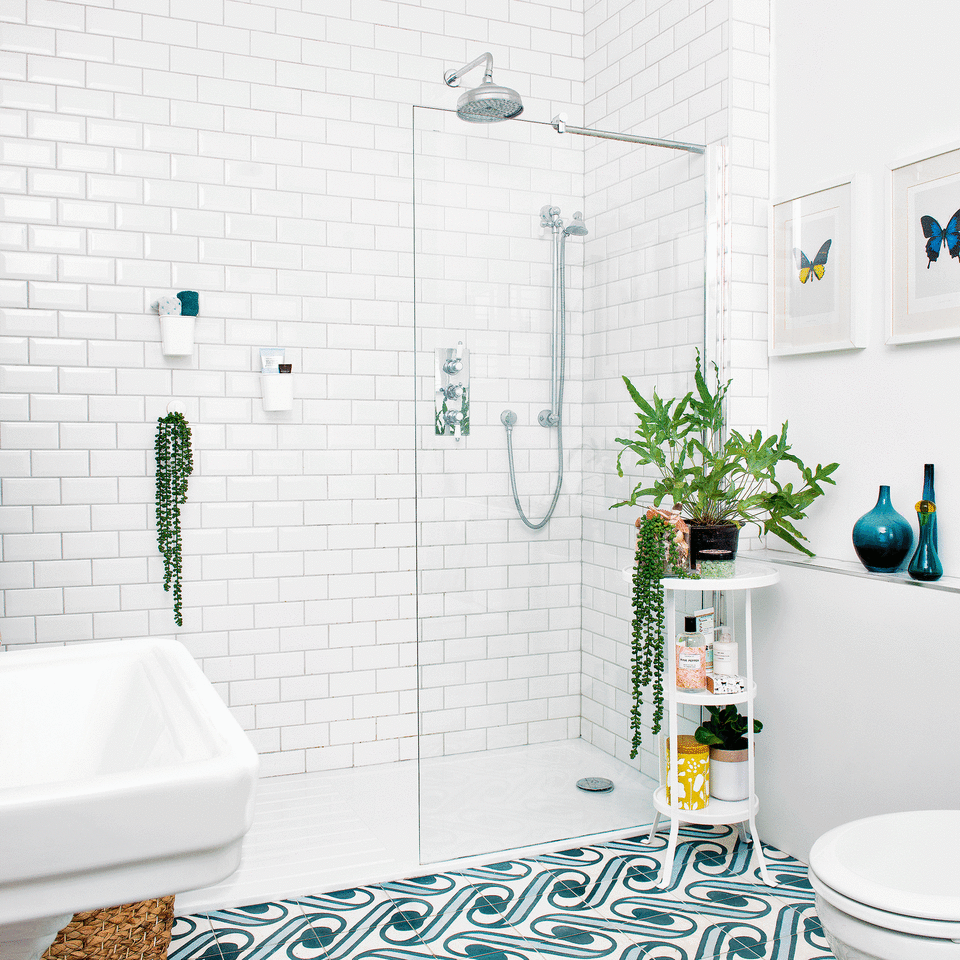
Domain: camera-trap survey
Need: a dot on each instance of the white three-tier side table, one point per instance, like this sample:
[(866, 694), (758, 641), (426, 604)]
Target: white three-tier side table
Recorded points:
[(750, 575)]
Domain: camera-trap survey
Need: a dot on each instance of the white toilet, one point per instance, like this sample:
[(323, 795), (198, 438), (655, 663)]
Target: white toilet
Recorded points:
[(888, 887)]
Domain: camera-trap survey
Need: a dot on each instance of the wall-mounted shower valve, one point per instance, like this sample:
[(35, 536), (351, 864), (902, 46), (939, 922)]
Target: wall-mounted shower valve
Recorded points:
[(454, 362), (451, 381), (454, 391), (454, 419)]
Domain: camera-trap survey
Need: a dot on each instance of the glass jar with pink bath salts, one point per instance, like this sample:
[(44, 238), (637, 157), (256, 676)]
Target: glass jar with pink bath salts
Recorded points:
[(691, 657)]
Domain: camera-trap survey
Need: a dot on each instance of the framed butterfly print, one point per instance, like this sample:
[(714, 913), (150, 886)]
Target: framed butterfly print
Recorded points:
[(925, 272), (812, 295)]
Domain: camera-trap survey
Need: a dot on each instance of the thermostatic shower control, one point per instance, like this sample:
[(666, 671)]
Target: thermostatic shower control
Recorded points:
[(452, 392)]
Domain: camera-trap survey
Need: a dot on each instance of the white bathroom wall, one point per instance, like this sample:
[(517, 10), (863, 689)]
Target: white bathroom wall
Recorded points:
[(897, 403), (696, 72), (855, 697), (258, 153)]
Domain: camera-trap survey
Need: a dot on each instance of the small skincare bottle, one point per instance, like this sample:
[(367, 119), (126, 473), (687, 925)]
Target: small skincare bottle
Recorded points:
[(705, 625), (725, 655), (691, 657)]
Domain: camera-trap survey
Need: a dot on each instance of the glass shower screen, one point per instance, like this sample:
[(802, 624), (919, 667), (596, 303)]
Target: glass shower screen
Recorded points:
[(523, 635)]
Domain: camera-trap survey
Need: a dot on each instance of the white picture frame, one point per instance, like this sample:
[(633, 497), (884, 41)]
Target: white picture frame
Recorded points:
[(812, 296), (924, 256)]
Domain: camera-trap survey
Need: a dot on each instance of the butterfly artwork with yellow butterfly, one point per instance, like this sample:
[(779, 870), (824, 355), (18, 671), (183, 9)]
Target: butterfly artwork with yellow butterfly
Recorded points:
[(816, 270)]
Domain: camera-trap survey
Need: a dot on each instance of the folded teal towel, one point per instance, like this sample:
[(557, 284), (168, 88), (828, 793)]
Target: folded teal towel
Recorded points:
[(189, 303)]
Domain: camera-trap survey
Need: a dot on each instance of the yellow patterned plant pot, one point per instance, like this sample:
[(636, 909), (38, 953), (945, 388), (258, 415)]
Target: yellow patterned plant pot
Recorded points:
[(693, 773)]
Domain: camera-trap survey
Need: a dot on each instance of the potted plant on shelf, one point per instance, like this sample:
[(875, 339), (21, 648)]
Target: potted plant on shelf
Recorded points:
[(725, 734), (717, 481)]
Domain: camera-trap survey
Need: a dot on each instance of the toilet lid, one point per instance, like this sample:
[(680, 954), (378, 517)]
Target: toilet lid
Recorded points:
[(902, 863)]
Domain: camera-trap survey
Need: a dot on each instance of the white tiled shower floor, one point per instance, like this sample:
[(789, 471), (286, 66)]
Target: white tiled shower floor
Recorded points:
[(318, 832)]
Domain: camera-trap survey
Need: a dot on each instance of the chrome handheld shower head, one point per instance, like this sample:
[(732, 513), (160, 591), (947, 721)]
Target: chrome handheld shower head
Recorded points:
[(487, 103)]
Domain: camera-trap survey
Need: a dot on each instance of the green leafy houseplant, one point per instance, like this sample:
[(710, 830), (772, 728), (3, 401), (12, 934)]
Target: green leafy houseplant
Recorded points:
[(657, 551), (726, 729), (174, 466), (717, 480)]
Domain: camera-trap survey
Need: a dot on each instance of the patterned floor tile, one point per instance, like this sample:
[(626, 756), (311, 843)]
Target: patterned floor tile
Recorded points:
[(386, 929), (673, 934), (579, 938), (450, 893), (458, 940), (192, 939), (790, 948), (583, 903), (266, 930), (359, 907)]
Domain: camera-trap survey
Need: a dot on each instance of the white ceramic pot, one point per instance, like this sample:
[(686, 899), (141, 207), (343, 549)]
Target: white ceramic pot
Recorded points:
[(176, 335), (729, 774)]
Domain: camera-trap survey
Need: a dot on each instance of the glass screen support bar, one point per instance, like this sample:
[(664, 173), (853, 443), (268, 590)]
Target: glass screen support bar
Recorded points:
[(559, 123)]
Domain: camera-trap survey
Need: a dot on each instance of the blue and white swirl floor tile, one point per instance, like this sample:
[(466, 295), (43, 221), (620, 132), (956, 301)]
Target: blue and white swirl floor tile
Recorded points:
[(596, 902)]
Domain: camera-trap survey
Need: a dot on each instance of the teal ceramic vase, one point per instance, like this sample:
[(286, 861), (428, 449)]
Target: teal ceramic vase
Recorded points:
[(882, 537), (929, 494), (925, 564)]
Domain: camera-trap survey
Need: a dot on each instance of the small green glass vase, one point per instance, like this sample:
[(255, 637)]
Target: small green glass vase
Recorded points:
[(925, 564)]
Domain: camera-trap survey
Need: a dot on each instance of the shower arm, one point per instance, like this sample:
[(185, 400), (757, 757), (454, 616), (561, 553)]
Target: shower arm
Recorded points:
[(452, 77), (559, 123)]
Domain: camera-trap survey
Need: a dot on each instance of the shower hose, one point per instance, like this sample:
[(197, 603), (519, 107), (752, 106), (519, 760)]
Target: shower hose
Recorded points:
[(509, 418)]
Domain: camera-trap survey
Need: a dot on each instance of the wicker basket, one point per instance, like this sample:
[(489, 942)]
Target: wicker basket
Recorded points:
[(133, 931)]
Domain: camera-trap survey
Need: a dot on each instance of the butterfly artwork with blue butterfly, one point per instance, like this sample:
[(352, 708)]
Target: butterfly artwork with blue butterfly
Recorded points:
[(815, 270), (938, 237)]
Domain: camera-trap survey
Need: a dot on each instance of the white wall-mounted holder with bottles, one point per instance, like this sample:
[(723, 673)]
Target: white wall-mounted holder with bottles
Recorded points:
[(749, 576), (276, 380), (452, 392)]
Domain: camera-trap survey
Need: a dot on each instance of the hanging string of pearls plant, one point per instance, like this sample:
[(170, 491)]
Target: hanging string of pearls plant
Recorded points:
[(174, 466), (658, 555)]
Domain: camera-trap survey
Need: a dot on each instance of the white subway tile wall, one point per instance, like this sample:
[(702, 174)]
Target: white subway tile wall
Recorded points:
[(260, 153), (662, 70), (499, 604)]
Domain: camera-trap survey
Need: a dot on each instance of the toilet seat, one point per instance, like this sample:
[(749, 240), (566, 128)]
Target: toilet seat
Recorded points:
[(898, 871)]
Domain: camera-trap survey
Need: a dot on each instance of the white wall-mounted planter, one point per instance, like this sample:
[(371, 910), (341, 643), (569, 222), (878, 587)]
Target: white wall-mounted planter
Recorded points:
[(176, 335), (277, 391)]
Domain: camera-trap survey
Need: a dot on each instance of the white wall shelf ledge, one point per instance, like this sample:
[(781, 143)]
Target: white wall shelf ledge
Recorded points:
[(849, 568)]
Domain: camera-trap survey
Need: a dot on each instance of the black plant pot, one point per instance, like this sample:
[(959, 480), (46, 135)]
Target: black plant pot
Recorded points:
[(711, 536)]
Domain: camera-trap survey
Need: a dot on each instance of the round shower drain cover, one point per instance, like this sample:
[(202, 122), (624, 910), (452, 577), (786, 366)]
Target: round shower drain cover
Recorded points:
[(595, 784)]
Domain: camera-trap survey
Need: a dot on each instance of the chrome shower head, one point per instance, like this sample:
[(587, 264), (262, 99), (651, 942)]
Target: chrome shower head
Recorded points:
[(576, 227), (487, 103)]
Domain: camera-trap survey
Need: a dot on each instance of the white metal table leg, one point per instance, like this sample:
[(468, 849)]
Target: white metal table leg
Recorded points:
[(757, 845), (673, 778), (758, 851), (653, 828), (666, 871)]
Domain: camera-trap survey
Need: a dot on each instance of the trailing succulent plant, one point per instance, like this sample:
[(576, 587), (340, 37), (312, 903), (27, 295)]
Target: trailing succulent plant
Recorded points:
[(174, 466), (658, 555)]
